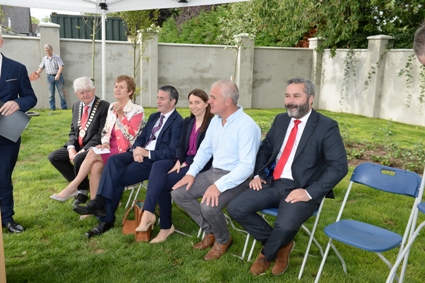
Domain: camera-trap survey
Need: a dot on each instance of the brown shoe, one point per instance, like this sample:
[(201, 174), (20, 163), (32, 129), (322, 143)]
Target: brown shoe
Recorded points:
[(260, 265), (206, 242), (218, 250), (282, 259)]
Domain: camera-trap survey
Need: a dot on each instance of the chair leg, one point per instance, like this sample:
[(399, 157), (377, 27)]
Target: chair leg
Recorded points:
[(200, 233), (231, 224), (344, 266), (319, 272), (307, 251), (129, 198), (252, 250), (404, 255), (137, 192)]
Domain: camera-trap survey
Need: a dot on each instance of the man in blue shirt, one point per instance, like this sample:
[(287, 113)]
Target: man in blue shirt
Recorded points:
[(232, 139)]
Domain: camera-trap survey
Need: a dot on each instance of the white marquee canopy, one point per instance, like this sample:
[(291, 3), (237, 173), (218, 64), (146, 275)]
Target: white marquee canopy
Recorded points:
[(107, 6)]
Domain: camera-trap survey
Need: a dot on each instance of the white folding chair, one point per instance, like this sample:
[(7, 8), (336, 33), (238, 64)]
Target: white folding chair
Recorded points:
[(136, 187), (404, 255), (273, 212), (366, 236)]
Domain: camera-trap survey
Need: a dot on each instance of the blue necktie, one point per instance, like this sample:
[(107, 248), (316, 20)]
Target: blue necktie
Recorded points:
[(155, 129)]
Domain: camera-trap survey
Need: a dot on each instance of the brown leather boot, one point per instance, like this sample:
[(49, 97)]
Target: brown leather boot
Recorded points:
[(282, 259), (218, 250), (206, 242), (260, 265)]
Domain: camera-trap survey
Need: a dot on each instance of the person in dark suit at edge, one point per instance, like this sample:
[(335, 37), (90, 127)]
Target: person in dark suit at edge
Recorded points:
[(310, 160), (17, 95), (86, 132), (158, 140)]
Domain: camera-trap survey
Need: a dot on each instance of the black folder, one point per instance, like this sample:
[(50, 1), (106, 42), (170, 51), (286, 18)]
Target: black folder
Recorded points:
[(12, 126)]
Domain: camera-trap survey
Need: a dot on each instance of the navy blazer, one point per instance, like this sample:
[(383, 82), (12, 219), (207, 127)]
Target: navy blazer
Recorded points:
[(94, 131), (181, 151), (168, 138), (15, 85), (320, 161)]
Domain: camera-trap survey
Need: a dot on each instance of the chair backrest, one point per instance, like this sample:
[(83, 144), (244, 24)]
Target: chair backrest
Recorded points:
[(392, 180)]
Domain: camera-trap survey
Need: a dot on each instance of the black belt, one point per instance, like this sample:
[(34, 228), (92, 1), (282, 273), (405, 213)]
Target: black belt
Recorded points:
[(52, 75)]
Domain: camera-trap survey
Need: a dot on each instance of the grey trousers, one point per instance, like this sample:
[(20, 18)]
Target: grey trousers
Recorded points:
[(210, 219)]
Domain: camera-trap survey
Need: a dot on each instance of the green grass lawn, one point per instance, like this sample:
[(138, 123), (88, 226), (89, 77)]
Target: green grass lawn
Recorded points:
[(54, 249)]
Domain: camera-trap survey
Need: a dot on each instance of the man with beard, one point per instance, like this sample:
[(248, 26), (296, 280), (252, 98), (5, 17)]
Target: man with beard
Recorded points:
[(310, 160)]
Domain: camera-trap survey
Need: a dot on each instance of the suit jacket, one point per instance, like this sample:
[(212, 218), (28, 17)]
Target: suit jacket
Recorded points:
[(15, 85), (168, 138), (181, 151), (94, 131), (320, 161)]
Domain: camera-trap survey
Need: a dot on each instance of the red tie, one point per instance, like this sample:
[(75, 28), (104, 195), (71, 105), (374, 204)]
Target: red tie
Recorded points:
[(84, 118), (286, 151)]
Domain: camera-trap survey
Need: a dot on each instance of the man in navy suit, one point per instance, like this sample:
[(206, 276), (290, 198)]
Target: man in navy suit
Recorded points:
[(314, 163), (158, 141), (17, 95)]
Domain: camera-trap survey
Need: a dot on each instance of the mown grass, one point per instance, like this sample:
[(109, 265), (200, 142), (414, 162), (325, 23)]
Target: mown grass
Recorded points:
[(54, 249)]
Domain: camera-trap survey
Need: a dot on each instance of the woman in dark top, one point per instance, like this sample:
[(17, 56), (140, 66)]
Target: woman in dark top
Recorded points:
[(165, 173)]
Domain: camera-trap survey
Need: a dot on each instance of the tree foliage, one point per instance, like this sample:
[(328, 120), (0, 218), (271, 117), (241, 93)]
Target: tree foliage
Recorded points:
[(34, 20), (342, 23), (138, 21)]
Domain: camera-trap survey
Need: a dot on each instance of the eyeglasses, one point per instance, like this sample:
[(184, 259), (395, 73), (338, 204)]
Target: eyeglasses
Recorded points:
[(81, 92)]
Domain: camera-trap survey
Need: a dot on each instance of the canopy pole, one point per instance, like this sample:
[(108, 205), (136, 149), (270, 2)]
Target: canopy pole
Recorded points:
[(104, 8)]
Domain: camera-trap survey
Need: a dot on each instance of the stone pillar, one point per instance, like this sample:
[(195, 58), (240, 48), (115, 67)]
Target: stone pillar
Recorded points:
[(245, 69), (376, 50), (49, 33), (148, 69), (316, 70)]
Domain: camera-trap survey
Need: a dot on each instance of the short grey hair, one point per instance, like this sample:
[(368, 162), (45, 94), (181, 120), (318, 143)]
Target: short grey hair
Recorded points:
[(308, 85), (48, 46), (83, 83), (419, 41), (228, 89)]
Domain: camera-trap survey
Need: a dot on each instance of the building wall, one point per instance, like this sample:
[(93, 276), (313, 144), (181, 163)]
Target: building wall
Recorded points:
[(364, 82), (20, 19), (273, 67), (178, 66)]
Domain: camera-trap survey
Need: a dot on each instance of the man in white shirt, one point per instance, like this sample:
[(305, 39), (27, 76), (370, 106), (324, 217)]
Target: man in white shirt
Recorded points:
[(232, 139)]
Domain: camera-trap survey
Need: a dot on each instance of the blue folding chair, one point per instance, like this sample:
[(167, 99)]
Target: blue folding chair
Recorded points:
[(363, 235), (404, 255)]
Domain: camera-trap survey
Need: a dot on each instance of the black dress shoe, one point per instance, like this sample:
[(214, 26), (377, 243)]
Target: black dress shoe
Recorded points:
[(93, 207), (13, 227), (101, 228), (79, 199)]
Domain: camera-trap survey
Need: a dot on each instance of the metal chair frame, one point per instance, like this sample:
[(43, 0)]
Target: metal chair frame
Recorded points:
[(404, 255), (369, 237)]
